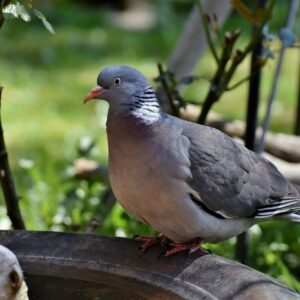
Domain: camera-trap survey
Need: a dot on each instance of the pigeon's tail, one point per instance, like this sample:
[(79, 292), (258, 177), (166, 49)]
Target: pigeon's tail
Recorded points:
[(287, 208)]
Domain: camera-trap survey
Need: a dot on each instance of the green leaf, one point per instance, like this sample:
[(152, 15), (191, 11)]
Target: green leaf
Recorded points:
[(22, 12), (41, 16)]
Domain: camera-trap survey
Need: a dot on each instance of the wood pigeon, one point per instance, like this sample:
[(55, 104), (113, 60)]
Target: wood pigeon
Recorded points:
[(190, 182)]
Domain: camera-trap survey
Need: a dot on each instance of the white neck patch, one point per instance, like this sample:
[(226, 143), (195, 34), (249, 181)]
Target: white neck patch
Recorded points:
[(146, 107)]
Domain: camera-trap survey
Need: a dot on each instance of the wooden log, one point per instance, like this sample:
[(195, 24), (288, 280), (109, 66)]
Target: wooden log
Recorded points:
[(283, 150), (290, 170), (283, 146), (86, 266), (90, 169)]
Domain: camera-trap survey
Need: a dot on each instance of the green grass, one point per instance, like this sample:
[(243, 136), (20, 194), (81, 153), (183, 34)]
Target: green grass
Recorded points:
[(45, 78)]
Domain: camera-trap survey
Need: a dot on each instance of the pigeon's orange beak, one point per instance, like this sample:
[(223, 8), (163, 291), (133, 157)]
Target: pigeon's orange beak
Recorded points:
[(93, 93)]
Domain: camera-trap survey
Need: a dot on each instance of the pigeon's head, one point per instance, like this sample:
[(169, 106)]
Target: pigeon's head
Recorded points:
[(117, 84), (128, 92)]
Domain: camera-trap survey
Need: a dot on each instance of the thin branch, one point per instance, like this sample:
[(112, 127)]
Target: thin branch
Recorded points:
[(222, 77), (207, 32), (289, 24), (175, 110), (216, 86), (242, 245), (297, 121), (7, 183), (238, 83)]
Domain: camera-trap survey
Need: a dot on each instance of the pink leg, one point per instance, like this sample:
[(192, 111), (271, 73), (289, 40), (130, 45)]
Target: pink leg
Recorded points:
[(191, 246), (150, 241)]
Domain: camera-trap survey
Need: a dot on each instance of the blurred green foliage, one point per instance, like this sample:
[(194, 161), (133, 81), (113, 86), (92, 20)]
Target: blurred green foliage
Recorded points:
[(45, 78)]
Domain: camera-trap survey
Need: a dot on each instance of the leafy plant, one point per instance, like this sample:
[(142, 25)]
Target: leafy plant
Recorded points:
[(23, 10)]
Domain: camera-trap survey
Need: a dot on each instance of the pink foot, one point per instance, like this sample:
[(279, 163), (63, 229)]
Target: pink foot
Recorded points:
[(191, 246), (150, 241)]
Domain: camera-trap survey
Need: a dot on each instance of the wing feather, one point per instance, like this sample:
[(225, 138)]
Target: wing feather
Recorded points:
[(233, 181)]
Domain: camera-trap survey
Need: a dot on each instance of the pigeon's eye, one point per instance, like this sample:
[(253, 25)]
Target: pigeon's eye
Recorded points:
[(117, 81)]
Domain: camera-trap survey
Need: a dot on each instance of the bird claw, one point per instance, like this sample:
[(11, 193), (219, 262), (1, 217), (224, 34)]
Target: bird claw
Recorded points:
[(151, 241), (172, 248), (190, 246)]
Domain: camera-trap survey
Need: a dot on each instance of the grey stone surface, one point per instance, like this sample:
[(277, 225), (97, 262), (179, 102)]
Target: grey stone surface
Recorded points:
[(85, 266)]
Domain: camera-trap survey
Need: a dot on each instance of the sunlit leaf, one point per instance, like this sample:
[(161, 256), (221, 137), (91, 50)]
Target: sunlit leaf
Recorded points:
[(11, 9), (287, 37), (41, 16), (22, 12), (17, 10)]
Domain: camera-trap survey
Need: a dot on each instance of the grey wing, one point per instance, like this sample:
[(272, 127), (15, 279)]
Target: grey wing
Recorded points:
[(233, 181)]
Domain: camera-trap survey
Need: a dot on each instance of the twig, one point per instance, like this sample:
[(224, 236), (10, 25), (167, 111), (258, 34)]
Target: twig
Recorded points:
[(207, 32), (237, 83), (7, 183), (222, 77), (289, 24), (217, 86), (297, 122), (175, 110), (242, 245)]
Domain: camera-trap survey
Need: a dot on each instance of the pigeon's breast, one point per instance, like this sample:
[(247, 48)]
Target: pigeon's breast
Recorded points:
[(144, 175), (135, 158)]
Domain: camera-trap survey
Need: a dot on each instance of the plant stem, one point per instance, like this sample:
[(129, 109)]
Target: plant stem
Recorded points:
[(216, 86), (207, 32), (289, 24), (253, 97), (221, 80), (7, 183), (242, 245), (237, 84), (175, 110), (297, 123)]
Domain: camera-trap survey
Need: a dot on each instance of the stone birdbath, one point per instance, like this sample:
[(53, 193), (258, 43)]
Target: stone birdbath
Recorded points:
[(91, 267)]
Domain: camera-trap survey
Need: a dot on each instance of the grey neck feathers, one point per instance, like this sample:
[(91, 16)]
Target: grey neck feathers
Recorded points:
[(145, 106)]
